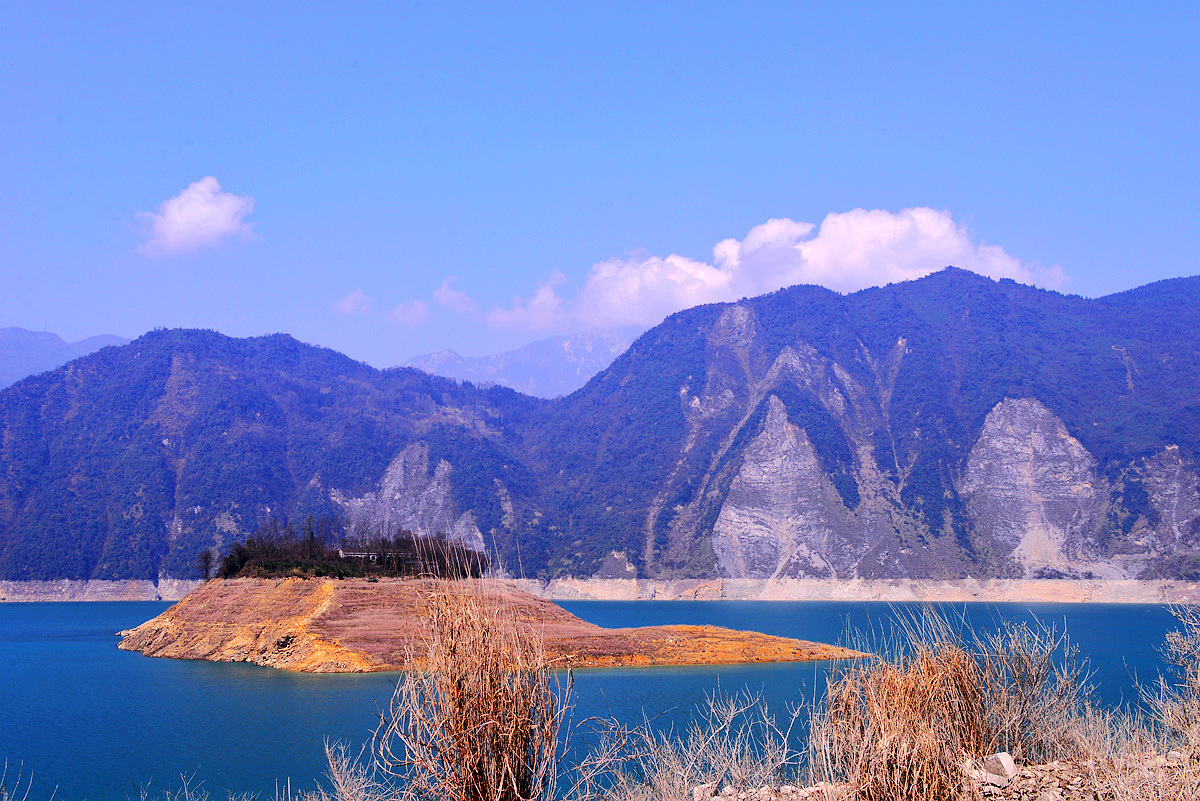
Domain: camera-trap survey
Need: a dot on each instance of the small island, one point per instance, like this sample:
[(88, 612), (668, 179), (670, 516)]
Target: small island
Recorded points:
[(324, 625)]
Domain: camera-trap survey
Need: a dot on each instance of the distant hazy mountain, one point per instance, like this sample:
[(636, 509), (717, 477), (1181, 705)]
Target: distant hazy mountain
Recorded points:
[(546, 369), (24, 353)]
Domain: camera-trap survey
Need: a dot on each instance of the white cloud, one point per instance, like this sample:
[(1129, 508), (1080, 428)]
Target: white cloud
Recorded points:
[(848, 252), (411, 313), (199, 216), (357, 302), (456, 300), (542, 312), (861, 248), (642, 289)]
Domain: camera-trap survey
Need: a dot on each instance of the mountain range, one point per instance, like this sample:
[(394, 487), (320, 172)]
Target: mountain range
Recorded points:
[(545, 369), (939, 428), (24, 353)]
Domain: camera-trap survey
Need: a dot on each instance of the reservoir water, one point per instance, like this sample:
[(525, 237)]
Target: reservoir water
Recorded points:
[(93, 722)]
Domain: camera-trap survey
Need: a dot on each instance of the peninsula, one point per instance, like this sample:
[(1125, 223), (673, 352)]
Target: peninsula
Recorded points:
[(362, 625)]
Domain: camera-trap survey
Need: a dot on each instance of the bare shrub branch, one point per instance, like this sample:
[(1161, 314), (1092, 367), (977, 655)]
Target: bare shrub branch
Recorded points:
[(479, 720), (1175, 699), (734, 740)]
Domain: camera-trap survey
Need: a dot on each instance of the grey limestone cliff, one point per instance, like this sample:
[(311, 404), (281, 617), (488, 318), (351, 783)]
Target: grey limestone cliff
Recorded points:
[(1025, 498), (411, 498), (1034, 492), (779, 515)]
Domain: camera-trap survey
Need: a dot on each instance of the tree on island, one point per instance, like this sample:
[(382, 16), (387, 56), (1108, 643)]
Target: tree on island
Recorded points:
[(204, 563), (323, 548)]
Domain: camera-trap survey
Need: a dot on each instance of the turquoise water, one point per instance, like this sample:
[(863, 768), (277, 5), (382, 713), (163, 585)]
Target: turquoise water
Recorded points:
[(99, 723)]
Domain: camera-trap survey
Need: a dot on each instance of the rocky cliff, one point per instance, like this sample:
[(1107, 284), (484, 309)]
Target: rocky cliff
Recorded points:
[(415, 496)]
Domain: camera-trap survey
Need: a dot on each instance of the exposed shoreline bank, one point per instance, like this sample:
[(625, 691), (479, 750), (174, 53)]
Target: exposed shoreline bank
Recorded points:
[(77, 590), (895, 590)]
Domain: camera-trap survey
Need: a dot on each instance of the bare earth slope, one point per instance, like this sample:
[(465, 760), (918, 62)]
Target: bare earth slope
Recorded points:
[(328, 626)]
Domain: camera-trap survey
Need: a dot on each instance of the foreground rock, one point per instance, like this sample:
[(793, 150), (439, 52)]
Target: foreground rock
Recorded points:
[(998, 778), (353, 625)]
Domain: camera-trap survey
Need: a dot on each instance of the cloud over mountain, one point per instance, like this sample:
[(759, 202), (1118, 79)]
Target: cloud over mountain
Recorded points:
[(456, 300), (356, 302), (849, 251), (199, 216)]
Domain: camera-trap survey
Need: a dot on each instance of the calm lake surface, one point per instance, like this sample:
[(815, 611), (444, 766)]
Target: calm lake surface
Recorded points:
[(99, 723)]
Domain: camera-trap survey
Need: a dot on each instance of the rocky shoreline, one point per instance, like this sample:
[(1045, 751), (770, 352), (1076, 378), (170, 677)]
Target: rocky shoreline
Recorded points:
[(75, 590), (998, 778), (892, 590)]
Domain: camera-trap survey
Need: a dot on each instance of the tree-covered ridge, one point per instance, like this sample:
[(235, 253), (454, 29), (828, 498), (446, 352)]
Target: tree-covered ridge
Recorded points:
[(128, 462), (1123, 373)]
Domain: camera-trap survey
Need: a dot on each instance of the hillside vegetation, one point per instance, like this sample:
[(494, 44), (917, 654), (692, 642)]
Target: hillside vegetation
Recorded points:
[(909, 430)]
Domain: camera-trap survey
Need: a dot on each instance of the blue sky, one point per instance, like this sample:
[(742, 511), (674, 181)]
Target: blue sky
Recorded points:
[(324, 172)]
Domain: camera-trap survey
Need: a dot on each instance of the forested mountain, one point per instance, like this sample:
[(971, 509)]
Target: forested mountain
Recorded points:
[(128, 462), (944, 427)]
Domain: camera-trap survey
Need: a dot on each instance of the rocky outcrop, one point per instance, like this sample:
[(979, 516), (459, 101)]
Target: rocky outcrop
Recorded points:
[(1036, 498), (779, 516), (1026, 500), (264, 622), (1174, 491), (1033, 491), (413, 498)]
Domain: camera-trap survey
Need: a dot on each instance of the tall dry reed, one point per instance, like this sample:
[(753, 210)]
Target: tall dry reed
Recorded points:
[(908, 725), (1175, 699), (733, 740), (478, 720)]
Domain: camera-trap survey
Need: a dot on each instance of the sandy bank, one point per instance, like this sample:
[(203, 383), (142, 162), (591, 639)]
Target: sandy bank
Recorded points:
[(353, 625)]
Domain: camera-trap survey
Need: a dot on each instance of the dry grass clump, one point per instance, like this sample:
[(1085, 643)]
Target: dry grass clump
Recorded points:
[(734, 740), (1127, 758), (1175, 699), (349, 779), (1156, 756), (909, 724), (480, 720)]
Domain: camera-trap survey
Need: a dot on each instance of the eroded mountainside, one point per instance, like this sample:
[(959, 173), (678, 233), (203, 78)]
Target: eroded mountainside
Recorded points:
[(942, 428)]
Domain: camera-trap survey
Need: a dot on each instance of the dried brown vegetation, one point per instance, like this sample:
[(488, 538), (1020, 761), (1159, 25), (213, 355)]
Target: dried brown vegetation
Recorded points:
[(479, 720), (909, 724), (734, 741)]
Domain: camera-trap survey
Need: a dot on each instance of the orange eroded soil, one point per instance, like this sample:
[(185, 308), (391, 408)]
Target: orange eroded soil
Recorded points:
[(352, 625)]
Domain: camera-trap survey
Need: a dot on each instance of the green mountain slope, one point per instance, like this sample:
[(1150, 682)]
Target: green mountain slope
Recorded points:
[(943, 427)]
